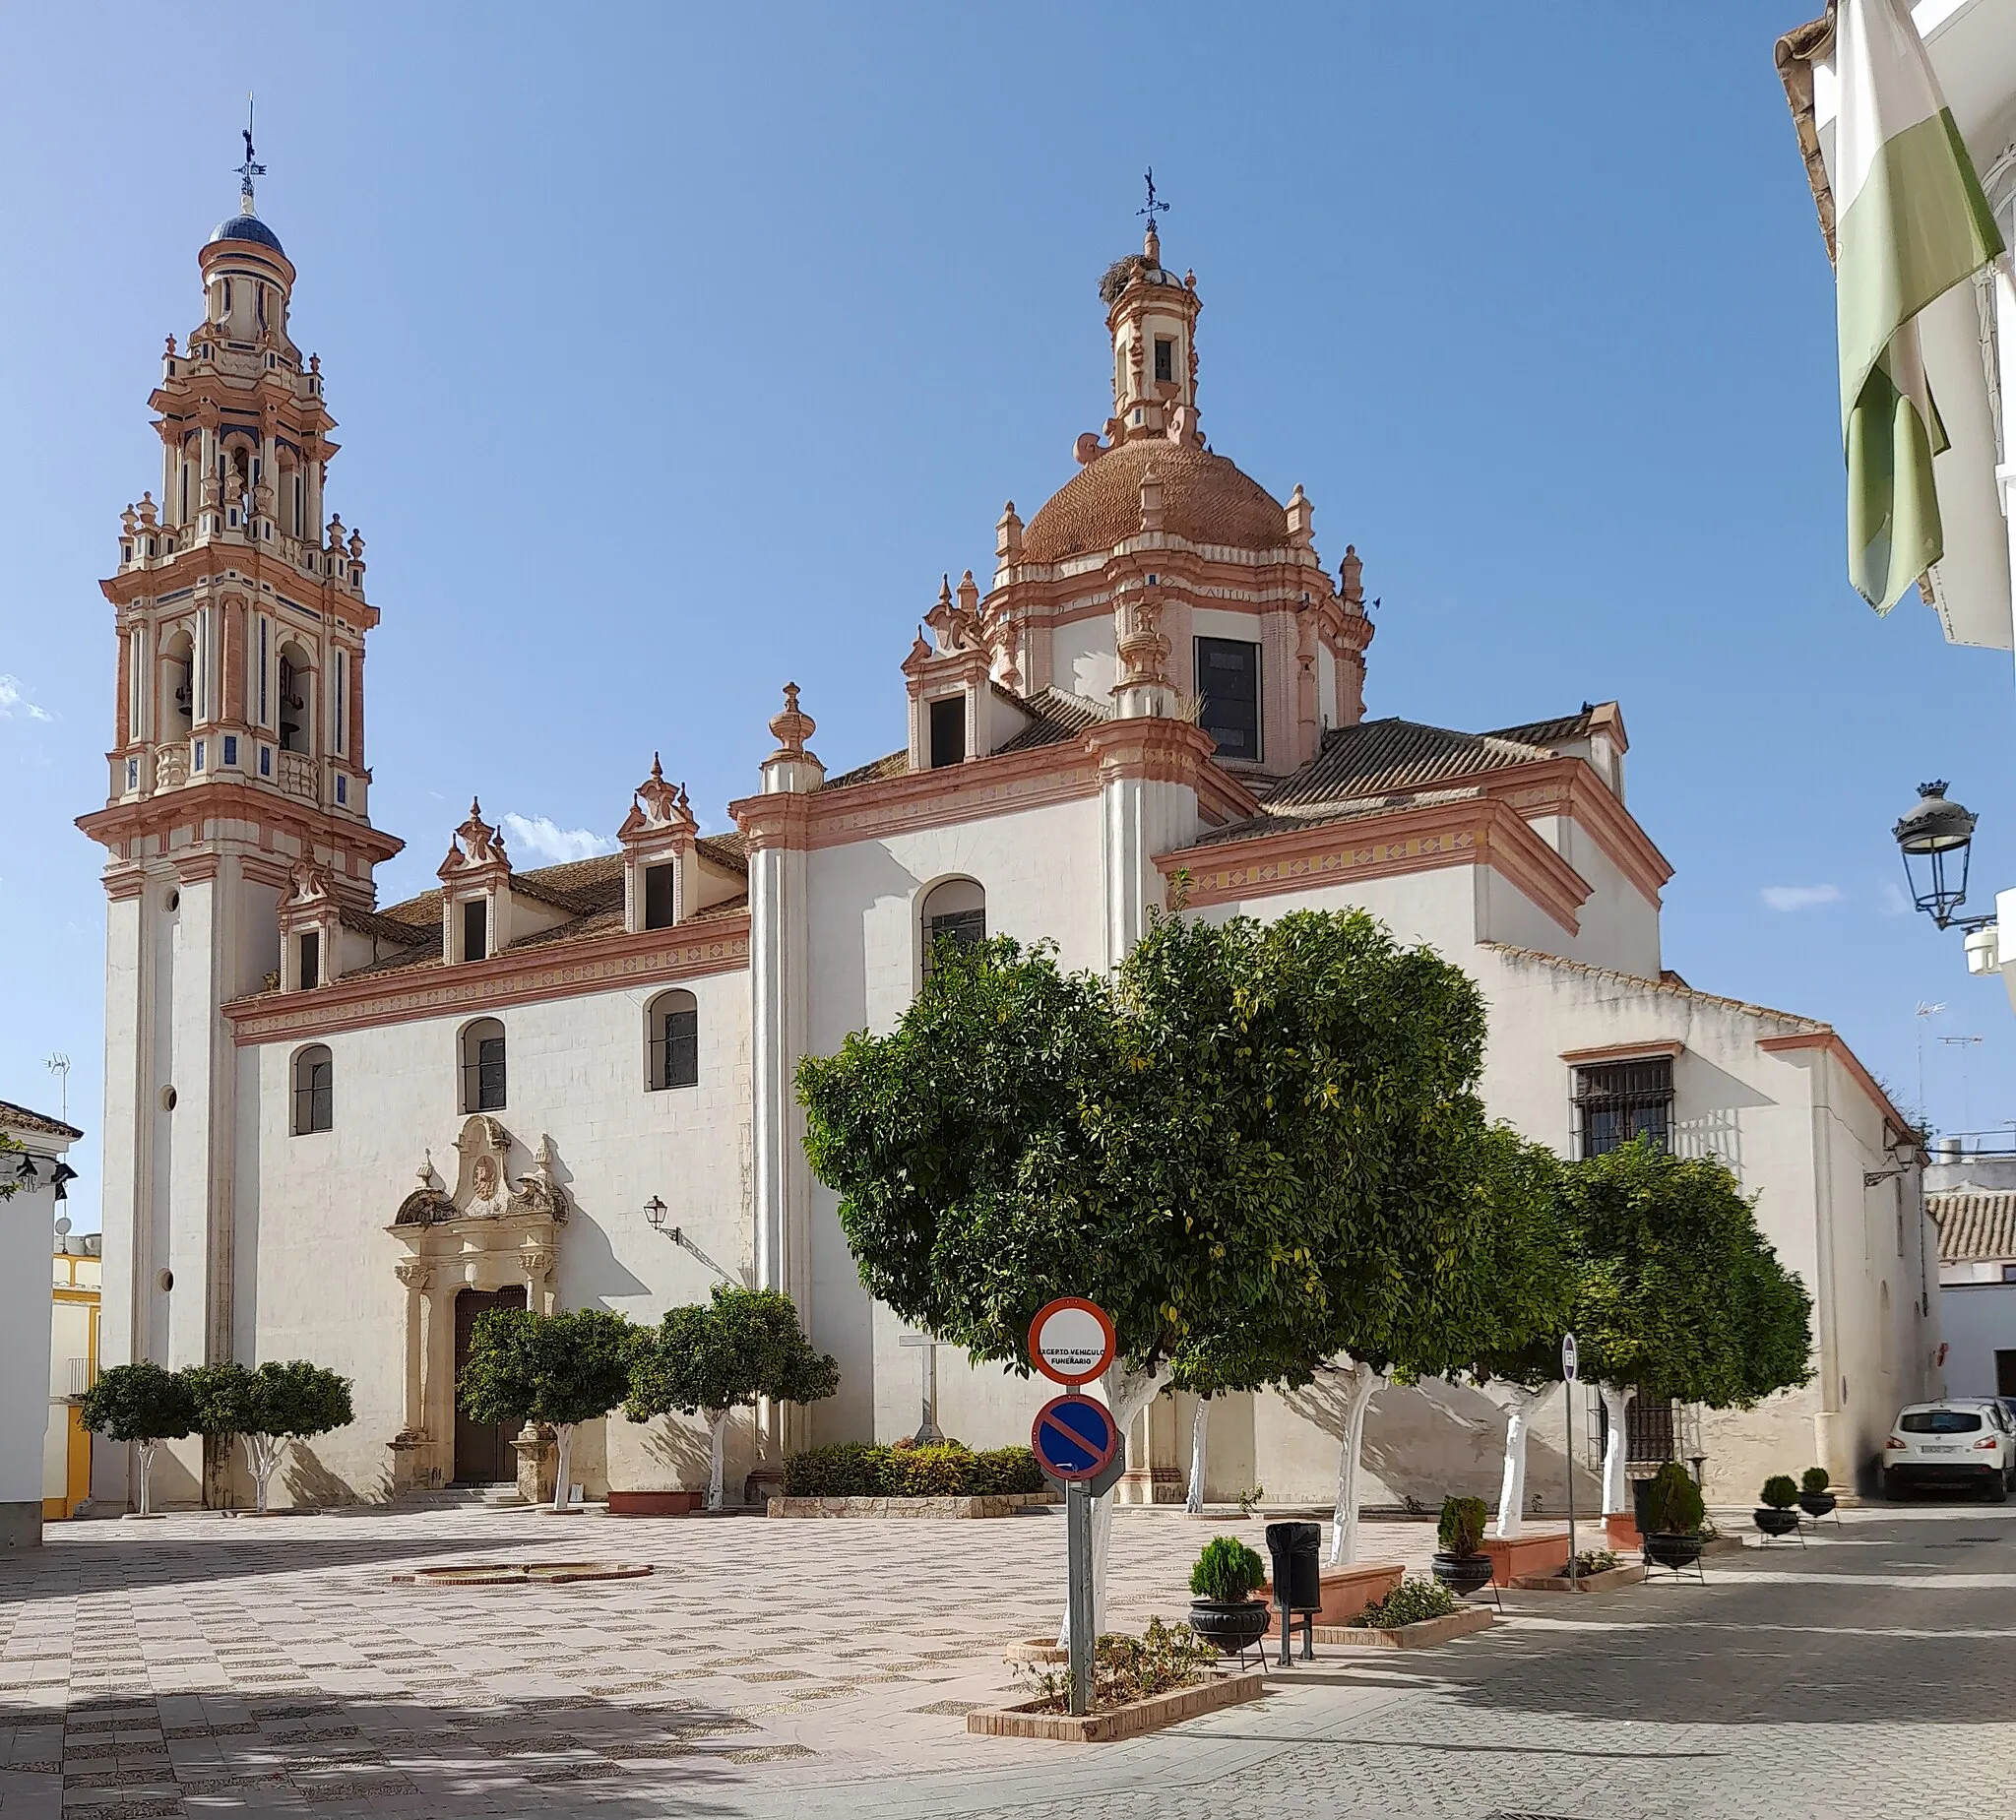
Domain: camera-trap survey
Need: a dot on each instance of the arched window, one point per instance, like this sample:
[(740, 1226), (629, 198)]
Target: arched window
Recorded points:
[(314, 1090), (178, 684), (674, 1041), (482, 1066), (297, 700), (955, 911)]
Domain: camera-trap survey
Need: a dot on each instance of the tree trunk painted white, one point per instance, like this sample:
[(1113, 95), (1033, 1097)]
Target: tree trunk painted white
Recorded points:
[(563, 1466), (262, 1453), (1615, 1399), (146, 1467), (1125, 1392), (1359, 1384), (1512, 1488), (716, 1440), (1200, 1435)]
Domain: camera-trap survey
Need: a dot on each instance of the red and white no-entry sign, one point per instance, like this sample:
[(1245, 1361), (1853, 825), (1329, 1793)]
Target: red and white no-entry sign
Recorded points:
[(1071, 1340)]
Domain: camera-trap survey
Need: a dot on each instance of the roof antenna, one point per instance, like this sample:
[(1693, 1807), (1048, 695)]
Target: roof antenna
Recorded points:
[(250, 168)]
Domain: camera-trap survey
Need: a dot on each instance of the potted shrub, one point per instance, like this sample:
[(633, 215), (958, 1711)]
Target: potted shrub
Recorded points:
[(1676, 1513), (1223, 1609), (1775, 1514), (1460, 1562), (1814, 1497)]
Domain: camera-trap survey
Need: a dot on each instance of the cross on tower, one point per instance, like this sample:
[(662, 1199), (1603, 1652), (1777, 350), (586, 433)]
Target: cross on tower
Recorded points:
[(1154, 208), (250, 168)]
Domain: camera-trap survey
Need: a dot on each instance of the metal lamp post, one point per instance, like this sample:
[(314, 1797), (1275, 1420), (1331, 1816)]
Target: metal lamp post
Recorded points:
[(655, 1210)]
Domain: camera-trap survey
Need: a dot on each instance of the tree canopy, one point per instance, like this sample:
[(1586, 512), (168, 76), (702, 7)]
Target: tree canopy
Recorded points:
[(140, 1401), (1256, 1146), (1678, 1291), (293, 1399), (556, 1368), (725, 1353)]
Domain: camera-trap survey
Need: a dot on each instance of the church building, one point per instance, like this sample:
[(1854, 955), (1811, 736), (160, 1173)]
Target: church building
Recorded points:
[(338, 1129)]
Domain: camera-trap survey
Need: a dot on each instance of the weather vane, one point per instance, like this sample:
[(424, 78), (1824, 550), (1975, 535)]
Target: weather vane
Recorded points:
[(1154, 208), (250, 168)]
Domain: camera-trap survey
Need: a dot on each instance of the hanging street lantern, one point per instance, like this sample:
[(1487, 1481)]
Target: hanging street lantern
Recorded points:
[(1936, 838)]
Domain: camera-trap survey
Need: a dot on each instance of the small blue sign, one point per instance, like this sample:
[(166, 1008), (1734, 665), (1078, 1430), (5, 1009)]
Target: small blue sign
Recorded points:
[(1073, 1438)]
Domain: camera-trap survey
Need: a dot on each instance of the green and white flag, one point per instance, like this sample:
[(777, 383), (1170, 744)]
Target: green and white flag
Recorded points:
[(1912, 224)]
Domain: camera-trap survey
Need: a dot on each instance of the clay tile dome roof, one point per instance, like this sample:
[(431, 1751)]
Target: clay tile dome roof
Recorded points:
[(247, 227), (1204, 499)]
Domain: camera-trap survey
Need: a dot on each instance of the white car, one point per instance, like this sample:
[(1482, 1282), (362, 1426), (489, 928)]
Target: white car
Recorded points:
[(1959, 1441)]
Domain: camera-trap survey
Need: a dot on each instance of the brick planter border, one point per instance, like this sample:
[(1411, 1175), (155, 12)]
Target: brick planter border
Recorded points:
[(1423, 1636), (1610, 1580), (1122, 1721), (1004, 1504)]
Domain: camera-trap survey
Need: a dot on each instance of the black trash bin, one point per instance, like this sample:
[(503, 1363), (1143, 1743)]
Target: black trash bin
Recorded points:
[(1297, 1552)]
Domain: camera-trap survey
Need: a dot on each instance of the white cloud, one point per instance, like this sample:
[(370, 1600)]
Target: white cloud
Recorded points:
[(1893, 902), (1800, 896), (545, 836), (14, 700)]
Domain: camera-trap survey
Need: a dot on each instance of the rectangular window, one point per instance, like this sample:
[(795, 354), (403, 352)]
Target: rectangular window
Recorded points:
[(265, 627), (1617, 1101), (311, 961), (681, 1058), (341, 667), (490, 1074), (474, 931), (343, 788), (657, 896), (231, 748), (1940, 1422), (2005, 1375), (265, 761), (1228, 681), (1165, 360), (201, 754), (948, 731)]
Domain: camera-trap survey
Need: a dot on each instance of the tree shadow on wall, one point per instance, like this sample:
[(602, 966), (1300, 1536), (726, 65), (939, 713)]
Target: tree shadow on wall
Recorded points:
[(308, 1482)]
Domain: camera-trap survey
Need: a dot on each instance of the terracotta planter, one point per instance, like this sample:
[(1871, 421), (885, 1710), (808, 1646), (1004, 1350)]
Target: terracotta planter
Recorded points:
[(1228, 1625), (1461, 1574), (655, 1503)]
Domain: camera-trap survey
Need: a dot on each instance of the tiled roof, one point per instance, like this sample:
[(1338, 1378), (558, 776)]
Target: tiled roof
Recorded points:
[(391, 929), (1976, 1225), (1286, 821), (1054, 716), (20, 1118), (1204, 498), (1669, 983), (890, 764)]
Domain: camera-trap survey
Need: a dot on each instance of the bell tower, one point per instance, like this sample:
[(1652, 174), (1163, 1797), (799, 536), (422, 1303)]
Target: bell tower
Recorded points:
[(237, 755)]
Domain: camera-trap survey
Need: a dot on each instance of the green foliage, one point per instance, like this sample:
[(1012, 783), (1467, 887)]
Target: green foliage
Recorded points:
[(1460, 1529), (1257, 1147), (1672, 1505), (1412, 1601), (554, 1368), (725, 1353), (856, 1469), (1678, 1292), (138, 1403), (1813, 1479), (1594, 1561), (296, 1399), (1781, 1491), (1227, 1571), (10, 1186), (1162, 1659)]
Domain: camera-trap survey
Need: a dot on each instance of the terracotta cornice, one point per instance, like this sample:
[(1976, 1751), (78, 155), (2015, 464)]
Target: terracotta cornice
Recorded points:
[(1830, 1040), (195, 564), (1572, 787), (235, 800), (1165, 751), (998, 786), (570, 969), (1476, 831), (1623, 1052)]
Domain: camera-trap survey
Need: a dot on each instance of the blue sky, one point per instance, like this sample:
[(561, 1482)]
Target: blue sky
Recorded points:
[(676, 352)]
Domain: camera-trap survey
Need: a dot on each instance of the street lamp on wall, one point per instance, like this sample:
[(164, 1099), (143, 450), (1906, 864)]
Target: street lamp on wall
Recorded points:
[(656, 1211), (1936, 840)]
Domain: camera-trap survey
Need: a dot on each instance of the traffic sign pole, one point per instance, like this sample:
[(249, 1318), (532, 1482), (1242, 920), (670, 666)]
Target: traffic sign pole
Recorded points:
[(1078, 1572)]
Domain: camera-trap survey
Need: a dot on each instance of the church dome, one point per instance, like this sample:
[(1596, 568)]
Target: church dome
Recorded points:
[(1205, 499), (247, 227)]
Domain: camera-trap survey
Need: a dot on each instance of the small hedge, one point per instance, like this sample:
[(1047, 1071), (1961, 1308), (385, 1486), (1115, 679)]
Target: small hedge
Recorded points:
[(1412, 1602), (856, 1469)]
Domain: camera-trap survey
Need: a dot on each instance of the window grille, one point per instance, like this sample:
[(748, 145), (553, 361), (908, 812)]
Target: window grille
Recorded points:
[(1617, 1101), (314, 1091), (482, 1066)]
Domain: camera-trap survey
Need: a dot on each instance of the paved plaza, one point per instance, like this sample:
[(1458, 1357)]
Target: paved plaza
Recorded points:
[(823, 1670)]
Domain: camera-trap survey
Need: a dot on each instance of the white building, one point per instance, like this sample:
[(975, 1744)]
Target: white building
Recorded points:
[(338, 1130), (1970, 1197), (73, 1369), (36, 1172)]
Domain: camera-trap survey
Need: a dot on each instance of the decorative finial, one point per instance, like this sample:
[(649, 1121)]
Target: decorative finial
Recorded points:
[(251, 168), (792, 728), (1152, 241)]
